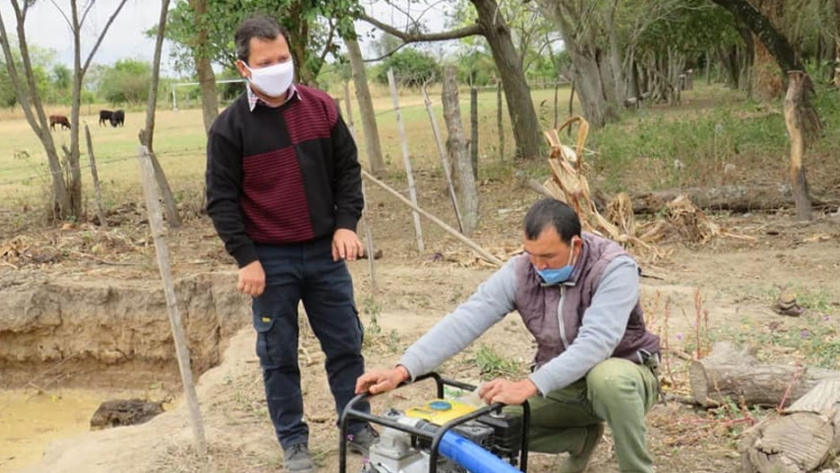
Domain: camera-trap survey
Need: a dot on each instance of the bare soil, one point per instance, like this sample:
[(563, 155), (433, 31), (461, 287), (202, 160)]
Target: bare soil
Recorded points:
[(92, 295)]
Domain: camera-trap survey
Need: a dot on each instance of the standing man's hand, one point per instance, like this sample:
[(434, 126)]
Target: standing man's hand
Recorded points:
[(251, 279), (346, 245), (381, 380), (507, 392)]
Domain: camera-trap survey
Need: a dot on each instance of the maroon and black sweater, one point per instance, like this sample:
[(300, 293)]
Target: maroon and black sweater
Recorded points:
[(281, 175)]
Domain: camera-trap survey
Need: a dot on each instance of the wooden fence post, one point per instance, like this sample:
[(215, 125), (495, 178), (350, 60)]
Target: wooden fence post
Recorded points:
[(153, 207), (472, 244), (412, 190), (500, 121), (444, 158), (100, 206), (456, 144), (474, 130)]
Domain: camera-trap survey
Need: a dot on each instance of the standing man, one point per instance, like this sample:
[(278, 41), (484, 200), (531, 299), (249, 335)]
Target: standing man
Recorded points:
[(578, 295), (284, 194)]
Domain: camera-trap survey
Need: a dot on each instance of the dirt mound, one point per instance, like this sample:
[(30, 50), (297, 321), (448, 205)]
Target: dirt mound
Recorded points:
[(117, 329)]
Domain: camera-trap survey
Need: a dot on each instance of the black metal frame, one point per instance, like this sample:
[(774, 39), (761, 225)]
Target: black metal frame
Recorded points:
[(351, 412)]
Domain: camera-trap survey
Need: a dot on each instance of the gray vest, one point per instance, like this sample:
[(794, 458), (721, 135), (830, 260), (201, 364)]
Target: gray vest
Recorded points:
[(538, 305)]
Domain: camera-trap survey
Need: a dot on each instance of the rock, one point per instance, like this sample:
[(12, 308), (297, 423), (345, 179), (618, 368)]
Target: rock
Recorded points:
[(786, 305), (121, 412)]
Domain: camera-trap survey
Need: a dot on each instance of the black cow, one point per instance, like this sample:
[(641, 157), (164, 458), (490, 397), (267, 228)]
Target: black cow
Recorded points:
[(105, 117), (118, 118), (59, 120)]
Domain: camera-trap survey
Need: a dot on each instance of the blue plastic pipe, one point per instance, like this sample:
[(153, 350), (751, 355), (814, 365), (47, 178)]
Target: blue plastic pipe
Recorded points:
[(471, 456)]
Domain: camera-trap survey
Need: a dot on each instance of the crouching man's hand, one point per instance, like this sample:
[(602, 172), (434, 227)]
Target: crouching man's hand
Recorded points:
[(508, 392), (381, 380)]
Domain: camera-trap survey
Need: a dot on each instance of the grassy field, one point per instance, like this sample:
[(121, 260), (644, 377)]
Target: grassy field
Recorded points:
[(714, 137), (179, 143)]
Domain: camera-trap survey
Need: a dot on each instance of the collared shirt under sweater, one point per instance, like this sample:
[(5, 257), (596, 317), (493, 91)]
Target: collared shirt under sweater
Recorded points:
[(281, 175)]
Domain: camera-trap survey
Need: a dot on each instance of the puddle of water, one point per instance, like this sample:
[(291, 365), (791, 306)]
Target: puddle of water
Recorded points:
[(30, 421)]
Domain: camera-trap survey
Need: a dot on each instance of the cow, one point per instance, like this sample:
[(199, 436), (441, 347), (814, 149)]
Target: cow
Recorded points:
[(105, 117), (59, 120), (118, 118)]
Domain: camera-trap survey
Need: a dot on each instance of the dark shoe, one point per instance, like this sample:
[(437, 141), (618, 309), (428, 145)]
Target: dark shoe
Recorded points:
[(578, 462), (296, 459), (361, 441)]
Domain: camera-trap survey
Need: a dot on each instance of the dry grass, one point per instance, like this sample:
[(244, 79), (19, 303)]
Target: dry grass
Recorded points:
[(180, 145)]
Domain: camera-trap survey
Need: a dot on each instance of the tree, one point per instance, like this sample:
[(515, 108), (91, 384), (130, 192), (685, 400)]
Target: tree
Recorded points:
[(148, 132), (412, 68), (67, 195), (493, 27), (373, 148), (314, 28), (776, 43), (592, 72), (200, 47), (202, 32), (126, 82), (61, 79)]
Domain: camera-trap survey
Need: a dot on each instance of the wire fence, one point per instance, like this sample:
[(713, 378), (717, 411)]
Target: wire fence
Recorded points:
[(42, 171), (491, 108)]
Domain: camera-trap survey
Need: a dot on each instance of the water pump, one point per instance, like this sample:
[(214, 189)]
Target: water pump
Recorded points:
[(444, 436)]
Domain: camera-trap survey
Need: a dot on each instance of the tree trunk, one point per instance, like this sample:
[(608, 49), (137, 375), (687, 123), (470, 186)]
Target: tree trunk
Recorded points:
[(203, 65), (802, 125), (456, 144), (491, 24), (587, 70), (369, 127), (766, 80), (74, 183), (762, 27), (732, 374), (726, 198), (805, 438), (523, 116), (474, 130), (837, 43), (147, 134), (619, 89), (30, 102)]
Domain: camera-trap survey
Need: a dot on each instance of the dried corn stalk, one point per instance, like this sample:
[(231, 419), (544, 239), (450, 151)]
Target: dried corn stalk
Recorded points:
[(568, 184), (689, 221)]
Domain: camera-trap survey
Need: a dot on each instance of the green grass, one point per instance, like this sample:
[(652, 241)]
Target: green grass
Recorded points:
[(492, 365), (712, 131)]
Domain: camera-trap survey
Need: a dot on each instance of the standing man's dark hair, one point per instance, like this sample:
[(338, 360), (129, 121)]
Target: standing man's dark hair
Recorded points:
[(284, 192), (554, 213), (262, 27)]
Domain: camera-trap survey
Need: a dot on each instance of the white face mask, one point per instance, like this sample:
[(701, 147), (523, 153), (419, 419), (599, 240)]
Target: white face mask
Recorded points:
[(274, 80)]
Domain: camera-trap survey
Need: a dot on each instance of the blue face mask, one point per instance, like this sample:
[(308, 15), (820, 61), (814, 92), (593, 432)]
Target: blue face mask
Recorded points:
[(555, 276), (552, 276)]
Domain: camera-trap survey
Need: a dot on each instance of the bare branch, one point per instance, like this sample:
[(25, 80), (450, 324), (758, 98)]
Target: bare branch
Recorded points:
[(85, 13), (102, 36), (471, 30), (433, 5), (328, 44), (69, 23), (386, 54)]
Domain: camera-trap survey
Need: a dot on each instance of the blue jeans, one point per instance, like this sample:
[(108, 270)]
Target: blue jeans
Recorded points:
[(295, 272)]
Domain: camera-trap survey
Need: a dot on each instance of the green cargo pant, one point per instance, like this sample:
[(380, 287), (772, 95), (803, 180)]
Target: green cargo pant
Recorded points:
[(616, 391)]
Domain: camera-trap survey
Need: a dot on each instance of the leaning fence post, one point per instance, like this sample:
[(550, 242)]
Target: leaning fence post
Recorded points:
[(153, 207), (412, 190), (100, 207), (365, 213)]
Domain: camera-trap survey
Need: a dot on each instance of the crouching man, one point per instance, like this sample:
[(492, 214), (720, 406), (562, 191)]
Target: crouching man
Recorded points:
[(578, 295)]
